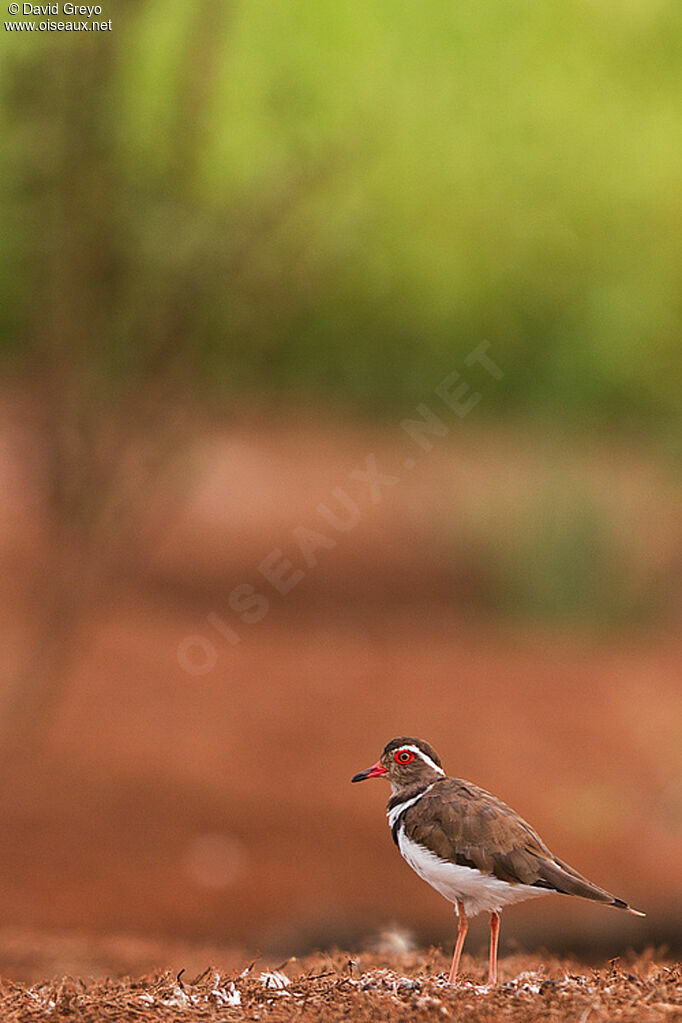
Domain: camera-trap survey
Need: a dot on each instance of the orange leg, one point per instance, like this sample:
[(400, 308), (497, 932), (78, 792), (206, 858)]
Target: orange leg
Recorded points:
[(462, 928), (494, 938)]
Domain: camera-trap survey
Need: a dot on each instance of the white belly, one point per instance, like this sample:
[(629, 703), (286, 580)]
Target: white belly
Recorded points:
[(478, 892)]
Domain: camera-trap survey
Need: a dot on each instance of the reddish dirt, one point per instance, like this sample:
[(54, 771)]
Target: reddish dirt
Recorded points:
[(217, 807)]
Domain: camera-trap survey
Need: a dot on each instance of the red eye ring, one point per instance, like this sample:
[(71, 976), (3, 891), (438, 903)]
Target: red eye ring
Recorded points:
[(403, 756)]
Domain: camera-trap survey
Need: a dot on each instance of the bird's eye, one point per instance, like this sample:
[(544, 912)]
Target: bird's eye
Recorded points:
[(404, 756)]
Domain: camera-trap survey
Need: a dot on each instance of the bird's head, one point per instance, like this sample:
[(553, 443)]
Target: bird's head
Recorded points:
[(406, 763)]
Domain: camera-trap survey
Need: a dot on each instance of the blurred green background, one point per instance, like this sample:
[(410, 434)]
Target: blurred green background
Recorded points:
[(344, 199)]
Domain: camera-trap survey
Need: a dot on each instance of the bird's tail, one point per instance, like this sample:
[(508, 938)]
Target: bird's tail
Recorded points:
[(562, 878), (619, 904)]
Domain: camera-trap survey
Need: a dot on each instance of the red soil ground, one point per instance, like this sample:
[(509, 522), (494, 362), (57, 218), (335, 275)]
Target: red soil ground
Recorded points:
[(218, 807)]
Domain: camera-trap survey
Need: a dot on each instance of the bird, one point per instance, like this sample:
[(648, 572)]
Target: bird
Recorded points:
[(469, 845)]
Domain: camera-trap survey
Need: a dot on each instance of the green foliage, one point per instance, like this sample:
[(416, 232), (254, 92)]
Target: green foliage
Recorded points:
[(558, 560), (345, 199)]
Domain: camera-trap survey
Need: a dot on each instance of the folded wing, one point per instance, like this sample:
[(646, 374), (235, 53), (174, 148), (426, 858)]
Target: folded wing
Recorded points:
[(465, 824)]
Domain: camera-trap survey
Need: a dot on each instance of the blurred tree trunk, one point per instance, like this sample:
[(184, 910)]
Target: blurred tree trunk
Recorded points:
[(34, 696), (103, 443), (115, 335), (100, 475)]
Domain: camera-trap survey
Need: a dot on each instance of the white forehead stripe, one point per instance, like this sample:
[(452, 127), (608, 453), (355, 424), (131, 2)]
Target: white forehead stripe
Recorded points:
[(427, 759)]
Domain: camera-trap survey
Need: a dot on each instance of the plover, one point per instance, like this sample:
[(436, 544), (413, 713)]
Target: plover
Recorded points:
[(468, 845)]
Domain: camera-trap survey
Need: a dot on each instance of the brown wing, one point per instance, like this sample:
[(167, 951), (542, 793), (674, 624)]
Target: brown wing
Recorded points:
[(461, 822)]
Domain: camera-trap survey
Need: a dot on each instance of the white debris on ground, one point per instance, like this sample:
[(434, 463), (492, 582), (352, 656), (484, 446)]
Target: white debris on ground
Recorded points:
[(388, 980), (385, 980), (527, 983), (228, 996), (275, 979), (45, 1002), (537, 983), (181, 998), (425, 991)]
